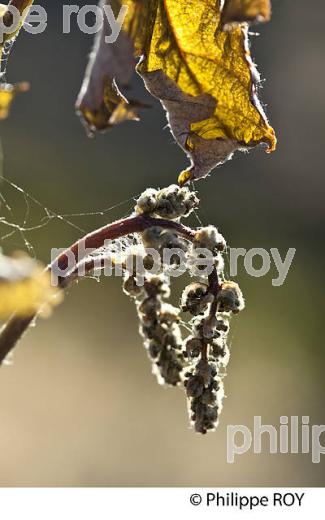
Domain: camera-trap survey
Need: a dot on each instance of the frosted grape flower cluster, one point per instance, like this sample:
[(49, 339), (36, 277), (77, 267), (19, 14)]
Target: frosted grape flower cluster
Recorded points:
[(186, 343)]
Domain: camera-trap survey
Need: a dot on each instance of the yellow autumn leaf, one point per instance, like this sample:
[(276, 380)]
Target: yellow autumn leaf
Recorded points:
[(195, 58), (25, 287)]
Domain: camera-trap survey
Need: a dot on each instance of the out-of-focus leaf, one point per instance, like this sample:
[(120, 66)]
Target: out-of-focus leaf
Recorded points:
[(195, 58), (25, 288), (7, 95)]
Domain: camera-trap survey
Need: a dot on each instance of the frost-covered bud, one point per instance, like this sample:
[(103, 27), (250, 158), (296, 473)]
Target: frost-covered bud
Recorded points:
[(152, 237), (205, 417), (131, 288), (148, 262), (205, 327), (163, 338), (193, 347), (169, 367), (150, 330), (219, 263), (205, 392), (192, 202), (162, 240), (149, 305), (230, 298), (194, 386), (170, 240), (209, 327), (209, 397), (157, 285), (148, 309), (208, 371), (197, 327), (172, 336), (147, 201), (219, 351), (209, 238), (146, 331), (222, 325), (196, 298), (174, 202), (154, 348), (159, 238), (169, 314)]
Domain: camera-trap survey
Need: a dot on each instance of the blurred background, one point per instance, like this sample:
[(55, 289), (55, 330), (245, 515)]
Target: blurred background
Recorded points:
[(79, 406)]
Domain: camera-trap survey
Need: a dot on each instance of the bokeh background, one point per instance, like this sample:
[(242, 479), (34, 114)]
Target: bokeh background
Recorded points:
[(79, 406)]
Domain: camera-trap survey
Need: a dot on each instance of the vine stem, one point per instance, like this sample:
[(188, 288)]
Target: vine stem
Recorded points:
[(14, 329)]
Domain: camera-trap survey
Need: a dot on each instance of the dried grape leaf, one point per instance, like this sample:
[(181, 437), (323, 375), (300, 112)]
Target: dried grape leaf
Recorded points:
[(22, 6), (253, 11), (195, 58), (100, 102), (8, 93)]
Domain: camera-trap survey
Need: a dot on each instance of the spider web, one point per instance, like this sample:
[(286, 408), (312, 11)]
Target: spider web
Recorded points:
[(13, 227), (6, 49)]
